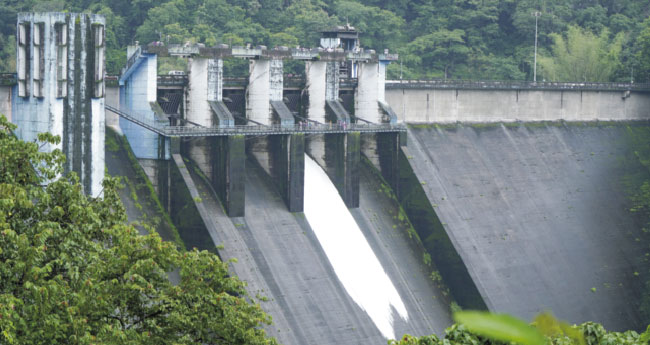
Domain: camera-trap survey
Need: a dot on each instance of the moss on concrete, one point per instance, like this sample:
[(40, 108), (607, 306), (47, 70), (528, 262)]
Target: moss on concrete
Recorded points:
[(403, 222), (434, 238), (141, 190)]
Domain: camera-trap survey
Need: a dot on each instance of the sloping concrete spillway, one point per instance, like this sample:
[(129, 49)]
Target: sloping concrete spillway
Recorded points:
[(281, 257), (538, 215)]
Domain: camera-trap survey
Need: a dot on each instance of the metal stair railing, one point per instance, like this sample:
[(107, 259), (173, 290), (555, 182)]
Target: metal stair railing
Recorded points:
[(139, 119)]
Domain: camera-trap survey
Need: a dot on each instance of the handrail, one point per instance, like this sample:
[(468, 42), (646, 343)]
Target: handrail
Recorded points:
[(275, 129), (7, 79), (136, 54), (497, 84), (172, 80)]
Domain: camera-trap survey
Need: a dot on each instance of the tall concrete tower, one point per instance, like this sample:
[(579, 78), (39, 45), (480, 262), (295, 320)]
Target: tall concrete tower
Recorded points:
[(60, 90)]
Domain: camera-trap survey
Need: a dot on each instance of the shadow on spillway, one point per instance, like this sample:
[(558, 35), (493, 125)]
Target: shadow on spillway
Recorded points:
[(280, 258)]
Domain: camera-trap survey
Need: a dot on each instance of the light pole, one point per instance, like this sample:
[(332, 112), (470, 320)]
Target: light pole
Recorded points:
[(535, 14)]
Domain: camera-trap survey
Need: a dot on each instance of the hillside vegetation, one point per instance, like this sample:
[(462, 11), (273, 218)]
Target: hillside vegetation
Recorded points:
[(594, 40)]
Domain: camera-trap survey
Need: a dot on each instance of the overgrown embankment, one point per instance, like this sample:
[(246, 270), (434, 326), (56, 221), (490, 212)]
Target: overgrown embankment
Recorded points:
[(138, 195)]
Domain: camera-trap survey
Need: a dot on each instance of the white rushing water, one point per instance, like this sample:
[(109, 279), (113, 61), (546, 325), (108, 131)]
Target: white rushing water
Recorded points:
[(354, 262)]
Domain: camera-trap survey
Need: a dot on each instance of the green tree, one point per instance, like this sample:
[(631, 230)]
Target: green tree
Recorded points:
[(380, 28), (437, 54), (582, 56), (73, 272), (483, 328), (643, 52)]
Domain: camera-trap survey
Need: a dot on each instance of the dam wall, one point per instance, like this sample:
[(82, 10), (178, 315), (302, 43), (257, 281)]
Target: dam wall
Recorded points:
[(537, 213), (429, 102), (424, 103)]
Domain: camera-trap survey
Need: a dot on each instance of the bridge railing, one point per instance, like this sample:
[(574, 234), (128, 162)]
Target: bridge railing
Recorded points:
[(7, 79), (141, 119), (513, 85), (282, 129), (172, 80), (136, 54), (162, 127)]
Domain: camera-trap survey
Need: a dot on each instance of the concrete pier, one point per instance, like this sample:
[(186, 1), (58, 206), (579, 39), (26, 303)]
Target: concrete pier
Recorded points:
[(221, 159), (366, 99), (258, 94), (382, 149), (342, 157), (316, 86), (228, 172), (287, 163)]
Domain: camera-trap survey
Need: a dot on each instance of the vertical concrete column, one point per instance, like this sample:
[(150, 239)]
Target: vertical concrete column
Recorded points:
[(342, 157), (215, 80), (332, 81), (201, 88), (258, 94), (60, 64), (228, 178), (276, 80), (388, 147), (381, 81), (137, 93), (316, 89), (288, 168), (366, 99)]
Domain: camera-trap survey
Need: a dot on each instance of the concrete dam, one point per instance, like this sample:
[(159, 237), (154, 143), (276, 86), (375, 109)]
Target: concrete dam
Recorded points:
[(348, 225)]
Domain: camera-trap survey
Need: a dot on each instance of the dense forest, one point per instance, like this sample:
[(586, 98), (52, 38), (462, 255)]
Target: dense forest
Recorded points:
[(579, 40)]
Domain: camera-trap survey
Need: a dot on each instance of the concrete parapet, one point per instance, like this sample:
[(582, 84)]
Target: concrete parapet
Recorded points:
[(445, 104)]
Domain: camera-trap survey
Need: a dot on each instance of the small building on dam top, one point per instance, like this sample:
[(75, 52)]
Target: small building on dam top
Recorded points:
[(343, 113)]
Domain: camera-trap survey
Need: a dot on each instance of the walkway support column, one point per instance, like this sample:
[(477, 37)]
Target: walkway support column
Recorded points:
[(338, 154), (342, 158), (287, 152), (288, 168), (229, 172), (381, 148), (197, 111), (222, 159)]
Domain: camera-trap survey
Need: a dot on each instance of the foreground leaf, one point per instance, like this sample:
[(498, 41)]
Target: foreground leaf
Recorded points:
[(500, 327)]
